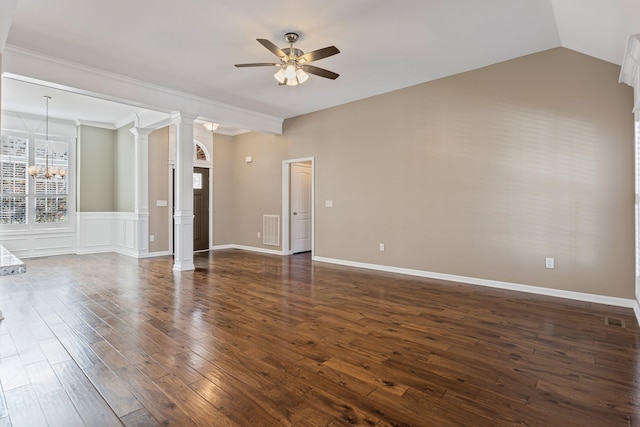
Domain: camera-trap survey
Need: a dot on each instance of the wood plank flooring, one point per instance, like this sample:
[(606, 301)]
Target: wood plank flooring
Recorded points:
[(260, 340)]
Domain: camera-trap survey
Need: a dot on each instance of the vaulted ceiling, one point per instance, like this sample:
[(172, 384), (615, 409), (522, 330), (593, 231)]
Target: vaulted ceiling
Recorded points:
[(191, 46)]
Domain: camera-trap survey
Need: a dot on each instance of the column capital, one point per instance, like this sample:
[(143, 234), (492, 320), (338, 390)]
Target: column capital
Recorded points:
[(141, 132), (179, 117)]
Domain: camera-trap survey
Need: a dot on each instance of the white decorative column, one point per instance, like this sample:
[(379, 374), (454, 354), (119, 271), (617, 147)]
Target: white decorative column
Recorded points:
[(141, 207), (183, 196)]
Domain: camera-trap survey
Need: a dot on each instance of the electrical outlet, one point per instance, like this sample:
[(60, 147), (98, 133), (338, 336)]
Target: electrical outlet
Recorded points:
[(550, 262), (152, 237), (381, 247), (258, 234)]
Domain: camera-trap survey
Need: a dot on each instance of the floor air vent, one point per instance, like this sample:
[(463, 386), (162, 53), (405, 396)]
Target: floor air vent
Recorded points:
[(614, 321), (271, 230)]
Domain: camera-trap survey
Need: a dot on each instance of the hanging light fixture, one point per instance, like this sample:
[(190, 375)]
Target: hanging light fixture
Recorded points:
[(210, 126), (47, 172)]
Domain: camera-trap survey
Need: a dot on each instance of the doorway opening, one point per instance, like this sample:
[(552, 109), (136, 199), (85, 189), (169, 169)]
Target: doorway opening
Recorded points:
[(298, 206)]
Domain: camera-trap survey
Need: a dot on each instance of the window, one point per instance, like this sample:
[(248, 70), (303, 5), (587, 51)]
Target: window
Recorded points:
[(38, 199), (200, 154), (13, 187), (197, 181)]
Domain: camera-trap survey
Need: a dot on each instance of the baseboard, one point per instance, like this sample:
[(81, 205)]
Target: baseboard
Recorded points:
[(221, 247), (154, 254), (45, 253), (255, 249), (579, 296), (125, 251), (96, 250)]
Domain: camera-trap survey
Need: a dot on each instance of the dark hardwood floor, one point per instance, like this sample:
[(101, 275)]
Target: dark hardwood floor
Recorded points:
[(259, 340)]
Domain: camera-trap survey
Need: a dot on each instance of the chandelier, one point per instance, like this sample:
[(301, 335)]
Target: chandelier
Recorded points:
[(47, 172)]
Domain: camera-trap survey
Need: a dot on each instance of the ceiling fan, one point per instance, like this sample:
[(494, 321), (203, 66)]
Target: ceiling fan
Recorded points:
[(294, 63)]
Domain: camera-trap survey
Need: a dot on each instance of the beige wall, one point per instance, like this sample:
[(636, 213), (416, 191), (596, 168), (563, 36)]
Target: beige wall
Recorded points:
[(96, 165), (159, 189), (222, 190), (256, 185), (483, 175), (125, 170)]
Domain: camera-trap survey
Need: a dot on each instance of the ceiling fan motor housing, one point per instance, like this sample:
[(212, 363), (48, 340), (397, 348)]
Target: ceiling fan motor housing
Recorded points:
[(291, 37)]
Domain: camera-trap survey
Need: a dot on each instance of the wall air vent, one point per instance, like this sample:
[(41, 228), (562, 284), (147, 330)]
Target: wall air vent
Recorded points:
[(271, 230)]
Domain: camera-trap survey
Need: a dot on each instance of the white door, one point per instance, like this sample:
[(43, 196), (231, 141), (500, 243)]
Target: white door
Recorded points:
[(300, 207)]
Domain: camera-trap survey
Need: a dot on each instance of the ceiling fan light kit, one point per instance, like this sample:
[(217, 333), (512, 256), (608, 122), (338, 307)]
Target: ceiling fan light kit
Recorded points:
[(294, 69)]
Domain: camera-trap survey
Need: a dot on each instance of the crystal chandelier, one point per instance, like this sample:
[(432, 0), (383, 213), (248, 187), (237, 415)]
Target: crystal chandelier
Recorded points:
[(47, 172)]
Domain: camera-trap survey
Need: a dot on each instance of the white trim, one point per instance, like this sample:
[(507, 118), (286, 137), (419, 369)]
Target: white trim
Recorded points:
[(170, 204), (630, 69), (62, 250), (7, 9), (636, 310), (33, 67), (125, 251), (154, 254), (579, 296), (221, 247), (286, 184), (101, 125), (255, 249), (130, 118), (96, 250), (233, 132)]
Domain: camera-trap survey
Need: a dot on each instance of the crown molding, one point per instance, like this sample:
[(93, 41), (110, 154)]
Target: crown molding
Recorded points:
[(234, 132), (46, 70), (126, 120), (101, 125), (7, 9)]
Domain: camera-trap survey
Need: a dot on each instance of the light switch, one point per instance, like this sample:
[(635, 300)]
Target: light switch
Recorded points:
[(161, 203), (328, 203)]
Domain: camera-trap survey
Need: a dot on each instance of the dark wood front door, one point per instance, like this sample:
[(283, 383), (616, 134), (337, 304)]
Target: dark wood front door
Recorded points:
[(200, 209)]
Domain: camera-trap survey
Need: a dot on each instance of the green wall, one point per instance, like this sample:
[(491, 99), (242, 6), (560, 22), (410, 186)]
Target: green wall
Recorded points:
[(125, 169), (96, 161)]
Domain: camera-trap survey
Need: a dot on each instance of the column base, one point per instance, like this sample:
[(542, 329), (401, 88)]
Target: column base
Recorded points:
[(183, 266)]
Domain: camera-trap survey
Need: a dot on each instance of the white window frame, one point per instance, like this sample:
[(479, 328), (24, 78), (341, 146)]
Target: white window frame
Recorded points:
[(31, 226)]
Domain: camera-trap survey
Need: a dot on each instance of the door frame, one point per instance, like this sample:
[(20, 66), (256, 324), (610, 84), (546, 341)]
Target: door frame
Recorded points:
[(286, 204)]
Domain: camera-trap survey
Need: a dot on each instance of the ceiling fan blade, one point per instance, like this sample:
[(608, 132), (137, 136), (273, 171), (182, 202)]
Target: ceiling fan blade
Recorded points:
[(273, 48), (258, 64), (318, 54), (320, 72)]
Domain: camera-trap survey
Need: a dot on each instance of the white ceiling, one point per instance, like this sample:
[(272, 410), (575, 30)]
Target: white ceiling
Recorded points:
[(191, 46)]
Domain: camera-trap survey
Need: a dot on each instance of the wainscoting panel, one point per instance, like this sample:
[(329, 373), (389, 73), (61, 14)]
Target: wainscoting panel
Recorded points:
[(96, 231), (108, 232), (37, 244), (126, 228)]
